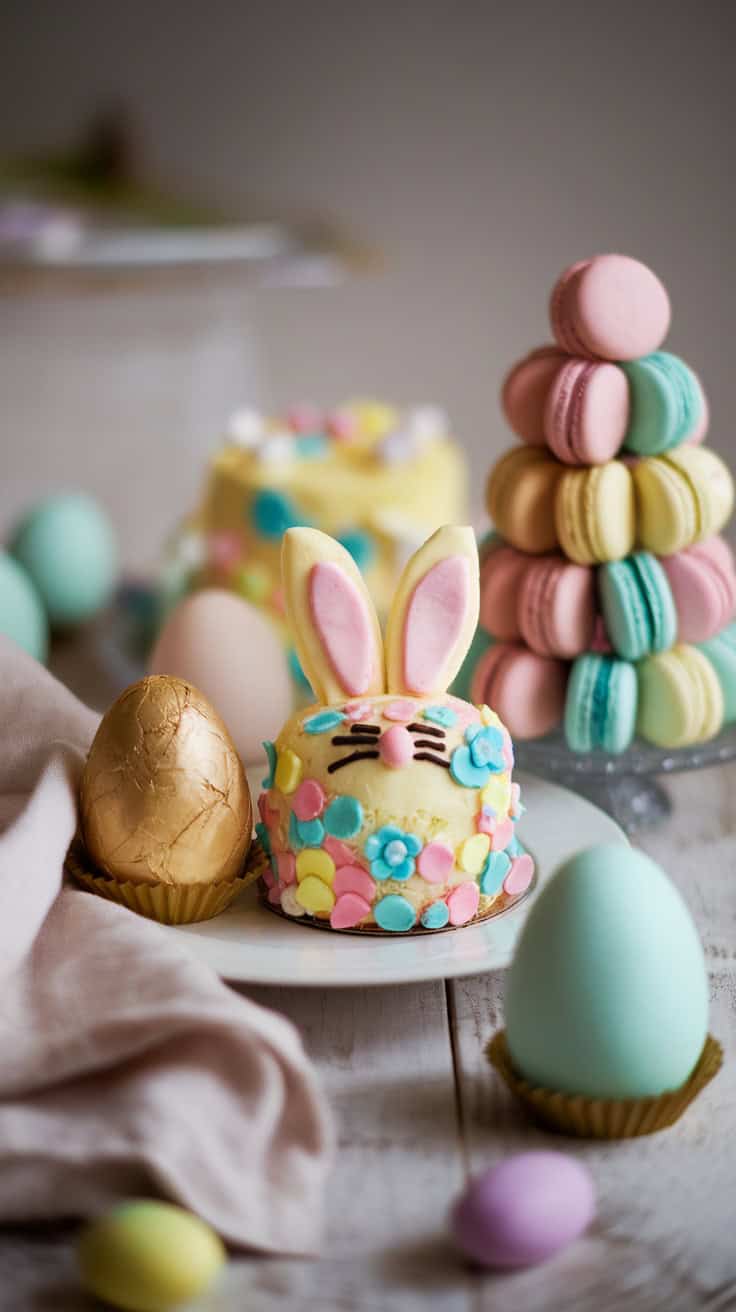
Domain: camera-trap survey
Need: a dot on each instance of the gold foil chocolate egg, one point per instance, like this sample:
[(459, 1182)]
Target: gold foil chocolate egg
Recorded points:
[(164, 798)]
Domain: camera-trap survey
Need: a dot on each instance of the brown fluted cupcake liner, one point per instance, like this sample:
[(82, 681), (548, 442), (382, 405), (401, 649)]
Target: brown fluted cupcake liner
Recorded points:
[(169, 904), (605, 1118)]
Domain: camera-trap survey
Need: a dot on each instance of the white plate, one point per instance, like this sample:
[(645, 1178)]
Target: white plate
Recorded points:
[(249, 943)]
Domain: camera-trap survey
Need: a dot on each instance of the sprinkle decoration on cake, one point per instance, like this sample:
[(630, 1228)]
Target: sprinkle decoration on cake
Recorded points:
[(388, 805), (378, 479)]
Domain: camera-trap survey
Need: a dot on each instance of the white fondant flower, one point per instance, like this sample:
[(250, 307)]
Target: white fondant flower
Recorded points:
[(277, 448), (289, 903), (245, 428), (428, 422)]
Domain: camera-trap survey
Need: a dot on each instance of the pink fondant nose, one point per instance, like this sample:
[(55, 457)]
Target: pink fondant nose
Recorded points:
[(396, 746)]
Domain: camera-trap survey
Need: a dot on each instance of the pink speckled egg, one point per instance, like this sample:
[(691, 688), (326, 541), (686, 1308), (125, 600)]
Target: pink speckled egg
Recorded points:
[(232, 653), (524, 1210)]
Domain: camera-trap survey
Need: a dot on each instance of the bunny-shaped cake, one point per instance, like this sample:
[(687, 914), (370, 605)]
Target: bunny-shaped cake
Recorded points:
[(389, 805)]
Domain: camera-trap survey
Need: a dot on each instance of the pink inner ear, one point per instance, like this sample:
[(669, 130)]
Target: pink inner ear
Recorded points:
[(434, 622), (343, 623)]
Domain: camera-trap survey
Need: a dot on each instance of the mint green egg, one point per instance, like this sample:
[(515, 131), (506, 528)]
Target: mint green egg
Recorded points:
[(146, 1256), (607, 995), (68, 547), (22, 615)]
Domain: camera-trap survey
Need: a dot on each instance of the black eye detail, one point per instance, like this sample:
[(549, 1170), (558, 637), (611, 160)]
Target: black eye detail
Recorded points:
[(428, 729), (354, 756), (428, 756), (361, 735), (433, 744)]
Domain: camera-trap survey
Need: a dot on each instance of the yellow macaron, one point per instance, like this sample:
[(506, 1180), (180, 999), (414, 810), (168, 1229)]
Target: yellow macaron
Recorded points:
[(680, 698), (520, 496), (594, 513), (681, 497)]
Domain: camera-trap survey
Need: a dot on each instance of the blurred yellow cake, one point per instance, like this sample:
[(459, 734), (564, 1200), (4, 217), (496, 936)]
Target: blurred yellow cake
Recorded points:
[(378, 479)]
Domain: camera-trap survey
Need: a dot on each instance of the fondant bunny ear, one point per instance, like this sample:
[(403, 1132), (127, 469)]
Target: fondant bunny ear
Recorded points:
[(332, 618), (434, 614)]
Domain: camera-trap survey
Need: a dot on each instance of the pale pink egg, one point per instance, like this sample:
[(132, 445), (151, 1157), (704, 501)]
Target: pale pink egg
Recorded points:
[(230, 651)]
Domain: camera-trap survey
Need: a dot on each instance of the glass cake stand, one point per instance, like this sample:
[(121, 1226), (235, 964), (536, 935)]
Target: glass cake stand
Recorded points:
[(625, 786)]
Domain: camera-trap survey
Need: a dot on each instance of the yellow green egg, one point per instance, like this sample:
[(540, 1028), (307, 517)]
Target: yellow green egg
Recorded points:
[(146, 1256)]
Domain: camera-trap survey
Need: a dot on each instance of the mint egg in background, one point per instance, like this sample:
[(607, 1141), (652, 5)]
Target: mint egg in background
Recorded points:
[(22, 614), (607, 995), (67, 545)]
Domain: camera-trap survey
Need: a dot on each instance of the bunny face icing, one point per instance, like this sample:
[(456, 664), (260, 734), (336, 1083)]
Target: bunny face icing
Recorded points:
[(388, 810)]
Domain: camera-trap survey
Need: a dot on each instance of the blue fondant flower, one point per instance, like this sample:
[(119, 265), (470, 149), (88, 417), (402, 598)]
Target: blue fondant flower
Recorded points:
[(272, 513), (436, 916), (344, 817), (391, 852), (493, 873), (395, 914), (323, 721), (265, 838), (311, 832), (443, 715), (270, 750), (473, 763), (310, 446)]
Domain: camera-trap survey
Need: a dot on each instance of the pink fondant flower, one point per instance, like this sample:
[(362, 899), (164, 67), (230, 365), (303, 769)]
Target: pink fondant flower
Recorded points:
[(357, 711), (225, 550), (309, 800), (466, 714), (401, 710)]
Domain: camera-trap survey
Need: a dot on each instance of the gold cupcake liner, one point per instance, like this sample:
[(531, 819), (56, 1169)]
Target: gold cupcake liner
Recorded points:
[(169, 904), (605, 1118)]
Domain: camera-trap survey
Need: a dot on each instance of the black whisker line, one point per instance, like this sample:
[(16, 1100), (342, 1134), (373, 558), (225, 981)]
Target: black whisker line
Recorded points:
[(364, 728), (342, 740), (348, 760), (428, 742), (426, 728), (427, 756)]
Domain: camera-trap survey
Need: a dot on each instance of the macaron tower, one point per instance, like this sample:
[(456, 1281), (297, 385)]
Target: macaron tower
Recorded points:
[(606, 590)]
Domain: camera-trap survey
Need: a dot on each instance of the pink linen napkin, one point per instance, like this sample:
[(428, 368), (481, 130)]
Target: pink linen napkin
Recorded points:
[(127, 1067)]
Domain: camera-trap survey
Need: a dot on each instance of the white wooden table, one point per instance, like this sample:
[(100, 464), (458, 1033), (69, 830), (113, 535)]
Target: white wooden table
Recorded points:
[(419, 1108)]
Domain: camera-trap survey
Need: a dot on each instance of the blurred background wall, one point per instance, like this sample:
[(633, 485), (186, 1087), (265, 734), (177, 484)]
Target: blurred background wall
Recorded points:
[(480, 147)]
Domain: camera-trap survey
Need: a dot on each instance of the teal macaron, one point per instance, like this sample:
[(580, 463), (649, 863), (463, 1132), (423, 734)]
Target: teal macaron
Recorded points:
[(601, 703), (637, 605), (721, 652), (666, 404)]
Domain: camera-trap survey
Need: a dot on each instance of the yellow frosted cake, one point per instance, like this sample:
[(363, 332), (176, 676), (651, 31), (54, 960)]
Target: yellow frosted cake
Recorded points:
[(378, 479), (388, 805)]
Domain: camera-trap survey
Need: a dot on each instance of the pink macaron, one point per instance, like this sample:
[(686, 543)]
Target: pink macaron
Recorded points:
[(610, 308), (703, 583), (525, 689), (587, 412), (501, 575), (524, 392), (557, 607)]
